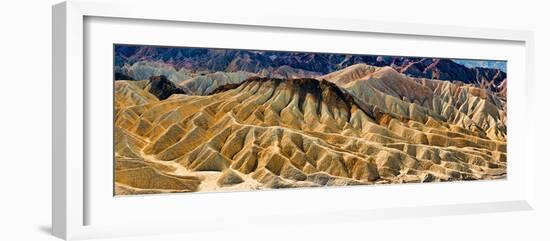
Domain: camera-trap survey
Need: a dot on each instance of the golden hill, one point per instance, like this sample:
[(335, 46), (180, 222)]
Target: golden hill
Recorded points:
[(373, 126), (465, 106)]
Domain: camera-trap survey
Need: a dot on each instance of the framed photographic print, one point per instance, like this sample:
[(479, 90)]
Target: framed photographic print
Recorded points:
[(280, 118)]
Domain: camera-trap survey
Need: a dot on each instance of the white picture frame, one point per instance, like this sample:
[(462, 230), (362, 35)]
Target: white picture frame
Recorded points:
[(72, 191)]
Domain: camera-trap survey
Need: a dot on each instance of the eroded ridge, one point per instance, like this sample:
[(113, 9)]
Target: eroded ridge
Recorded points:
[(371, 126)]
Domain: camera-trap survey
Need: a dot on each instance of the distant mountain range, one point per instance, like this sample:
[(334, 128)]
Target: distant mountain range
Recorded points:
[(181, 65), (501, 65)]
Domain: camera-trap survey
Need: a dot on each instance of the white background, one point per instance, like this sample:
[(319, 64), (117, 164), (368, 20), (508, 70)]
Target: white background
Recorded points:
[(26, 120)]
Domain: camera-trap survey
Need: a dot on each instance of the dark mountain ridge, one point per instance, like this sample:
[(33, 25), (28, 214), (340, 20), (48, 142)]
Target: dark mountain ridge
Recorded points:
[(163, 88), (212, 60)]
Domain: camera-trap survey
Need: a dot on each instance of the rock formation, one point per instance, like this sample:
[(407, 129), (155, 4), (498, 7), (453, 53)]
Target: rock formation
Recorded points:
[(359, 125)]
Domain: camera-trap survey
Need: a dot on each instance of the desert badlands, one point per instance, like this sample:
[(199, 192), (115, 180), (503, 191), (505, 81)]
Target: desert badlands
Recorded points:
[(250, 123)]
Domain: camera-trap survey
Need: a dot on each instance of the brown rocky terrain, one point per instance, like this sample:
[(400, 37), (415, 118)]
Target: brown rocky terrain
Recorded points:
[(359, 125)]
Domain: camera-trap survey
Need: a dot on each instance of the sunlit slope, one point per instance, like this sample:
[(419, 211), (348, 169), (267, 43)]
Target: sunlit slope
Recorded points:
[(463, 106), (376, 127)]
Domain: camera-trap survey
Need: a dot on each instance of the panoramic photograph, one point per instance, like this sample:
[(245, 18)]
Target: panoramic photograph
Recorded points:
[(193, 119)]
